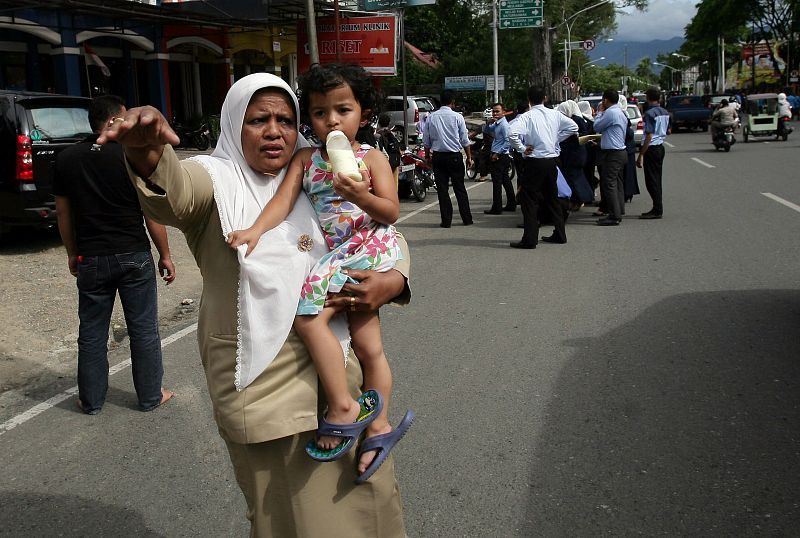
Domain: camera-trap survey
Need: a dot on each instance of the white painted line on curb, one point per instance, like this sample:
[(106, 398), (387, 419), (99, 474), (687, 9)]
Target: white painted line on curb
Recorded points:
[(703, 163), (780, 200), (38, 409), (668, 144)]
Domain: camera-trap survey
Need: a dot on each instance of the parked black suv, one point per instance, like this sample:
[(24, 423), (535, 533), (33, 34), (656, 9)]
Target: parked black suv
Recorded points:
[(34, 128)]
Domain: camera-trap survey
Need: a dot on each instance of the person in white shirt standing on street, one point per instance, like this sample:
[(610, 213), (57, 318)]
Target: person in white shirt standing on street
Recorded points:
[(446, 134), (536, 135), (612, 123)]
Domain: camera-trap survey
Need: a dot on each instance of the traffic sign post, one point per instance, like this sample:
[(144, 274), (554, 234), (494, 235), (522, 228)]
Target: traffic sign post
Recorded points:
[(565, 80), (588, 45), (521, 13)]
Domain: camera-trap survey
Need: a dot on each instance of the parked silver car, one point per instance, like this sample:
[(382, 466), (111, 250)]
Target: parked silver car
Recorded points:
[(417, 108)]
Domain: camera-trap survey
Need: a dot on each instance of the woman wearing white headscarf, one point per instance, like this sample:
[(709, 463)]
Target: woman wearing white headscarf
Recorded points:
[(592, 147), (261, 380)]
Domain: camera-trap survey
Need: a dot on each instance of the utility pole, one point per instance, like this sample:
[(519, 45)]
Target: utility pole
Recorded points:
[(311, 29), (494, 46)]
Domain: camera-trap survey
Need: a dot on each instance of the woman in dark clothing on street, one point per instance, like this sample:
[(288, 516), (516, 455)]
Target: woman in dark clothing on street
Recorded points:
[(573, 157)]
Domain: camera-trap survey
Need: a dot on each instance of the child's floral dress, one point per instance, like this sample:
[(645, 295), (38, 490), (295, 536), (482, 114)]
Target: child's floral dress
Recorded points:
[(354, 239)]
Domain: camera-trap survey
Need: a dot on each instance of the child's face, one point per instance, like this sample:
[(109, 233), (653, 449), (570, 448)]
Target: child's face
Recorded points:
[(336, 110)]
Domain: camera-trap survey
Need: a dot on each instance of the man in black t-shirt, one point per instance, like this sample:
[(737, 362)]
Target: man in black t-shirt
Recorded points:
[(102, 226)]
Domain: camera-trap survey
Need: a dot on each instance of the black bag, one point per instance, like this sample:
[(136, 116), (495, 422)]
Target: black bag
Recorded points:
[(391, 147)]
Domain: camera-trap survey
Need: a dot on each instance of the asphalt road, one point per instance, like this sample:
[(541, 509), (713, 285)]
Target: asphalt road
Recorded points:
[(640, 380)]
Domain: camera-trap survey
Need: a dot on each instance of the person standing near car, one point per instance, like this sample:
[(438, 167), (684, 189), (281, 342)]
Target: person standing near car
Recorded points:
[(500, 162), (651, 154), (446, 134), (103, 230), (613, 124)]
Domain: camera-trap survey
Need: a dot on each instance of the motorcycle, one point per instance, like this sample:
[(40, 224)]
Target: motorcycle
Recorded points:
[(199, 138), (415, 176), (783, 128), (724, 138)]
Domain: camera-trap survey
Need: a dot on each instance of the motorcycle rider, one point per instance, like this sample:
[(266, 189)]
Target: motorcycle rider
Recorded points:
[(724, 116), (784, 111)]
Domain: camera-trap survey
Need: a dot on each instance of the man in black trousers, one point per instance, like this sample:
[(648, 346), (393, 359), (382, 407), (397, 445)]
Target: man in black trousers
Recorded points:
[(536, 135), (446, 134)]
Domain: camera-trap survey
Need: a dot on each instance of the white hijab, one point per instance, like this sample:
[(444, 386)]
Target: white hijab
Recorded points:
[(569, 108), (270, 279), (586, 110)]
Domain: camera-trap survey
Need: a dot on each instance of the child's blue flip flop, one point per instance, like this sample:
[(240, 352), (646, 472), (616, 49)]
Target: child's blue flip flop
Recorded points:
[(383, 444), (371, 404)]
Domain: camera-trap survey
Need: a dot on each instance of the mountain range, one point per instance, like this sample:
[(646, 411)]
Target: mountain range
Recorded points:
[(615, 51)]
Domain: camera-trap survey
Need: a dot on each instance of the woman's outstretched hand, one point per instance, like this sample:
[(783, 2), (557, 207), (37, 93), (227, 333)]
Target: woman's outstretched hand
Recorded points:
[(372, 292), (143, 131), (141, 127)]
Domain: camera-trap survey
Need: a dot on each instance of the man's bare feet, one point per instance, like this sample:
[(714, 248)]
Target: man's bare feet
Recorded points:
[(341, 416), (166, 395), (379, 427)]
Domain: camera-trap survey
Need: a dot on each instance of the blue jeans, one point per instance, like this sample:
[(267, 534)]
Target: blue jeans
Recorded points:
[(99, 279)]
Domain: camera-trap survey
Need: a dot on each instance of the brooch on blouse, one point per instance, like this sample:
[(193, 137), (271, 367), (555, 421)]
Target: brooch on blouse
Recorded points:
[(304, 243)]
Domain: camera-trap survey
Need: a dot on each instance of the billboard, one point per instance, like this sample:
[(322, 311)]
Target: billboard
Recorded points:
[(367, 41)]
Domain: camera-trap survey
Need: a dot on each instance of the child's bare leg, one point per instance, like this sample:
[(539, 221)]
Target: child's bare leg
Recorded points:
[(326, 352), (365, 332)]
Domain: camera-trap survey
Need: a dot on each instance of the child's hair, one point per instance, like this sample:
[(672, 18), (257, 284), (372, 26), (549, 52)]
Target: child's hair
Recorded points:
[(323, 78)]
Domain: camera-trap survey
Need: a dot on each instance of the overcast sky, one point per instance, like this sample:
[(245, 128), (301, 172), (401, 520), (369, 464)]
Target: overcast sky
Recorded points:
[(663, 19)]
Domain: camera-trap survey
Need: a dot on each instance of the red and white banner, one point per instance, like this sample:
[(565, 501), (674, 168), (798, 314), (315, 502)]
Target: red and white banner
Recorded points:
[(367, 41), (93, 59)]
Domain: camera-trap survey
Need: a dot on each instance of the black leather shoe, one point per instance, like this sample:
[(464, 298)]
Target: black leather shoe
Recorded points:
[(608, 221), (553, 239), (520, 226), (650, 215), (468, 223), (493, 211), (520, 244), (443, 225), (510, 209)]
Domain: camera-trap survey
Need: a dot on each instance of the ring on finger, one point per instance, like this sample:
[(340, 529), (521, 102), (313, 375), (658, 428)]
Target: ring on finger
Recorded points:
[(353, 303), (114, 119)]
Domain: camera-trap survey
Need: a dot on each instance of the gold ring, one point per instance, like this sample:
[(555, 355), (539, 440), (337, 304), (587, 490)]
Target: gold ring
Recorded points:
[(352, 302), (115, 118)]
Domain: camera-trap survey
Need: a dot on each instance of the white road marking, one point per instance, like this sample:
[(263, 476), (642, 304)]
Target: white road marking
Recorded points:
[(668, 144), (421, 209), (703, 163), (780, 200), (38, 409)]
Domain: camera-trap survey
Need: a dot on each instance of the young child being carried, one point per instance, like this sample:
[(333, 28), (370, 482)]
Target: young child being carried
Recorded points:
[(356, 216)]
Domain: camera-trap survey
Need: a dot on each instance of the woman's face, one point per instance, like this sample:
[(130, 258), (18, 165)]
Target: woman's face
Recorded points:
[(269, 132), (335, 110)]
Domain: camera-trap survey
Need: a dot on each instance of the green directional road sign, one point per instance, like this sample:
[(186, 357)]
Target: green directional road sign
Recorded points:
[(520, 13), (527, 22)]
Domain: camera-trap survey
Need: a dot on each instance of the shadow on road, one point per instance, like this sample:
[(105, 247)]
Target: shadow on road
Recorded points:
[(59, 515), (682, 422), (28, 241)]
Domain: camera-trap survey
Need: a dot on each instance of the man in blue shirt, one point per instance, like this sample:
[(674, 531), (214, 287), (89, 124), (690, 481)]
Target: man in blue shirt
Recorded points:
[(651, 154), (446, 134), (500, 162), (612, 123)]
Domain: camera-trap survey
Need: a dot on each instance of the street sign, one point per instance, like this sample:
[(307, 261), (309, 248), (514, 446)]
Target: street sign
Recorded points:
[(572, 85), (588, 44), (565, 80), (380, 5), (501, 83), (474, 82), (466, 83), (520, 13)]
